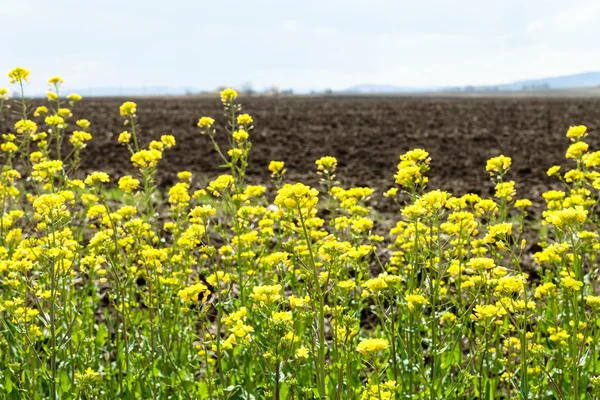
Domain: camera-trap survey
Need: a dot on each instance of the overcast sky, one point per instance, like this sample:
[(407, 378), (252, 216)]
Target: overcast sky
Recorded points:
[(300, 44)]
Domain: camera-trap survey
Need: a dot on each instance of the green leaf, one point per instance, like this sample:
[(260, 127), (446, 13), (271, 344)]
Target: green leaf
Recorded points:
[(8, 385)]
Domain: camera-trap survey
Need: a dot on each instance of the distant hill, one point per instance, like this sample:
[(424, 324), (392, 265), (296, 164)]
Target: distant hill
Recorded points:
[(582, 80), (385, 89)]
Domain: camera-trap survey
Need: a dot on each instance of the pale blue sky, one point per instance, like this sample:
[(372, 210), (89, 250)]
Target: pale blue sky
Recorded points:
[(299, 44)]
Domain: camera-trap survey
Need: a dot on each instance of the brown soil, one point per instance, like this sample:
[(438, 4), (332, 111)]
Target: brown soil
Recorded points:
[(366, 135)]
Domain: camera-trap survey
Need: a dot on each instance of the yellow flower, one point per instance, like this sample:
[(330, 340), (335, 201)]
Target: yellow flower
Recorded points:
[(570, 216), (498, 165), (523, 203), (416, 299), (168, 141), (128, 183), (506, 190), (297, 197), (277, 167), (205, 122), (577, 149), (571, 283), (371, 346), (41, 110), (3, 93), (228, 96), (56, 80), (96, 178), (191, 293), (302, 352), (222, 184), (487, 312), (266, 294), (55, 120), (146, 158), (240, 135), (553, 170), (244, 119), (326, 164), (124, 137), (219, 277), (299, 302), (128, 109), (26, 127), (74, 97), (392, 192), (577, 132), (18, 75)]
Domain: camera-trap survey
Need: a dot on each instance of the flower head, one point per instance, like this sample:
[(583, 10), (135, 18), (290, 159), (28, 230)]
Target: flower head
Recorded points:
[(18, 75)]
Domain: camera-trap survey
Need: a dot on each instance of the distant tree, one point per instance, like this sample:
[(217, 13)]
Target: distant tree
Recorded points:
[(247, 88), (273, 91), (287, 92), (328, 92)]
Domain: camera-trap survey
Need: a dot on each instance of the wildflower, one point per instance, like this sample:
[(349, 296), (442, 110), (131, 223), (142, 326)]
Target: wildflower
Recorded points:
[(41, 110), (220, 185), (506, 190), (124, 137), (127, 183), (205, 122), (26, 127), (593, 301), (416, 299), (240, 135), (302, 352), (326, 164), (97, 178), (498, 165), (266, 294), (55, 120), (487, 312), (277, 167), (56, 80), (577, 132), (146, 158), (88, 378), (553, 170), (371, 346), (382, 391), (481, 263), (523, 203), (566, 217), (544, 290), (78, 139), (128, 109), (74, 97), (244, 119), (576, 150), (185, 176), (392, 192), (219, 277), (299, 302), (571, 283), (192, 293), (412, 168), (168, 141), (297, 196), (3, 93), (18, 75), (228, 96)]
